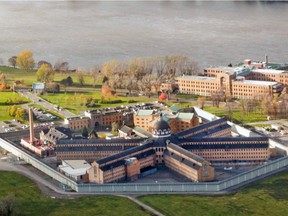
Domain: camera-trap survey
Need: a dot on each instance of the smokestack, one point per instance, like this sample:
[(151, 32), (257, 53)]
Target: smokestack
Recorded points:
[(266, 59), (31, 124)]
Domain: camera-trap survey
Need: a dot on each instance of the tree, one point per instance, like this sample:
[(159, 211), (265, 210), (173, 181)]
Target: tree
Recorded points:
[(163, 96), (21, 114), (130, 83), (106, 90), (45, 73), (53, 86), (40, 63), (7, 205), (12, 110), (61, 66), (146, 83), (13, 61), (201, 102), (67, 82), (2, 77), (95, 73), (25, 60), (80, 78), (85, 132), (115, 127)]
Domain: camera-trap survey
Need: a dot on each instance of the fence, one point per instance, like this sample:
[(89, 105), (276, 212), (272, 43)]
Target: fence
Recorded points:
[(208, 187)]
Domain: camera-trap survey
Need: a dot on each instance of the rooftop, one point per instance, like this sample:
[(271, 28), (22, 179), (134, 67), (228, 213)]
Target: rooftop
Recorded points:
[(257, 82), (197, 78), (270, 71), (144, 112)]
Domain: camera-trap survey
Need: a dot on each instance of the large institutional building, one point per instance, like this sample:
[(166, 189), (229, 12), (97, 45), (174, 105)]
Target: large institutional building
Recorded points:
[(247, 80), (190, 153)]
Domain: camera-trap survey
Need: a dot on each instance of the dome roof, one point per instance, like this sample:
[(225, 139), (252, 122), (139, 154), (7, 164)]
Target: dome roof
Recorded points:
[(160, 124), (161, 128)]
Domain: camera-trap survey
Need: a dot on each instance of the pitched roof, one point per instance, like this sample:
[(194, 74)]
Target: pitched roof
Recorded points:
[(185, 152), (128, 152), (125, 129), (174, 108), (201, 127), (122, 161), (181, 160), (144, 112), (182, 115)]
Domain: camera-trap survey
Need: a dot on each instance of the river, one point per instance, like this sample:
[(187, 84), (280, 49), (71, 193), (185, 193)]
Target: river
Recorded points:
[(88, 33)]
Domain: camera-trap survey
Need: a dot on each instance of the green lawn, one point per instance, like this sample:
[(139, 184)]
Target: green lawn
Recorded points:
[(237, 114), (269, 197), (30, 201), (7, 97), (29, 76), (73, 101)]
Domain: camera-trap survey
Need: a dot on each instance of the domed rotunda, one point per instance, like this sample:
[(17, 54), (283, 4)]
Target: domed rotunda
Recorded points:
[(161, 128)]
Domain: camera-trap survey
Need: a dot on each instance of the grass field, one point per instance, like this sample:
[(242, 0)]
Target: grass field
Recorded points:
[(237, 115), (29, 201), (4, 98), (269, 197), (73, 101), (29, 76)]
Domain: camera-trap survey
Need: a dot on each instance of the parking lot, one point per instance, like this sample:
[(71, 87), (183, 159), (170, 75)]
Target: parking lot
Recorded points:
[(43, 116), (12, 125)]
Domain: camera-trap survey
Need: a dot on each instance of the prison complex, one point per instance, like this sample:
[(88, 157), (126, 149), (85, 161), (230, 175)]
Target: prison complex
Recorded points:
[(247, 80)]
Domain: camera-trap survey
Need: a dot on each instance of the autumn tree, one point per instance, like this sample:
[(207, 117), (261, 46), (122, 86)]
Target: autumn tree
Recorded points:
[(113, 67), (45, 73), (13, 61), (2, 77), (115, 127), (201, 102), (25, 60), (12, 110), (106, 90), (163, 96), (21, 114)]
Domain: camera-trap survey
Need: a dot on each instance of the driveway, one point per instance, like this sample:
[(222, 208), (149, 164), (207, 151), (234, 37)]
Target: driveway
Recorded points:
[(38, 100)]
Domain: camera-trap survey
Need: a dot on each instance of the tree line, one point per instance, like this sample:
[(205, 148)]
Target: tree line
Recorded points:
[(140, 73)]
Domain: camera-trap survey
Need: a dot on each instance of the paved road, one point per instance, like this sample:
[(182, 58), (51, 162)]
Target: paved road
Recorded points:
[(38, 100)]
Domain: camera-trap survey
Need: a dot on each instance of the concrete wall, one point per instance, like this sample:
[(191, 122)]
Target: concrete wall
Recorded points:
[(37, 164)]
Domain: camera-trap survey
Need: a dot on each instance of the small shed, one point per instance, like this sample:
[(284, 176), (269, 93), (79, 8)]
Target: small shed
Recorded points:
[(38, 87)]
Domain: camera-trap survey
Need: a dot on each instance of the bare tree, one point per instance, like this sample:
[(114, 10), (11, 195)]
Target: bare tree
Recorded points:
[(146, 83), (201, 102), (61, 66), (217, 96), (95, 73), (13, 61)]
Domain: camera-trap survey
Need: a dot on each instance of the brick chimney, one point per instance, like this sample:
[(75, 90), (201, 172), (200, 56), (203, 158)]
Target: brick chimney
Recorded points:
[(31, 124)]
